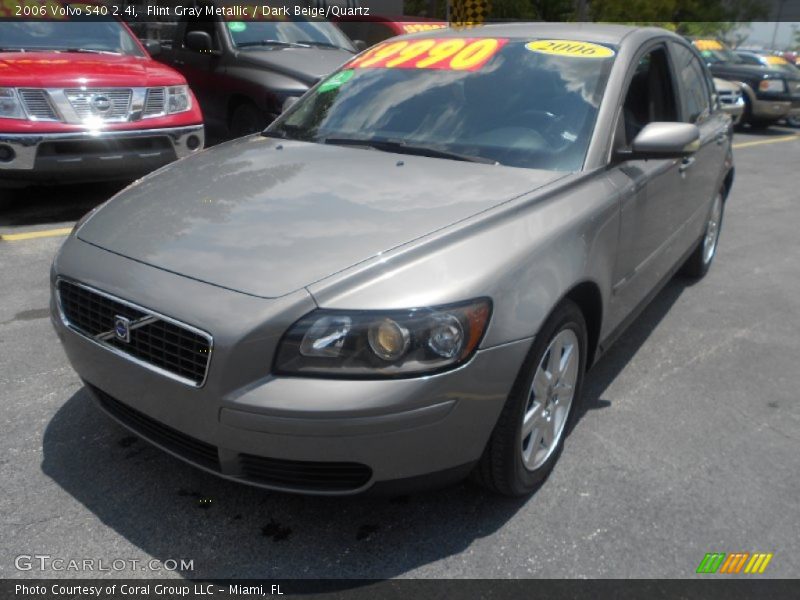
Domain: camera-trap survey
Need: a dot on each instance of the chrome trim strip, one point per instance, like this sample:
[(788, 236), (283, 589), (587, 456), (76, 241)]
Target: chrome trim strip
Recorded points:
[(114, 350)]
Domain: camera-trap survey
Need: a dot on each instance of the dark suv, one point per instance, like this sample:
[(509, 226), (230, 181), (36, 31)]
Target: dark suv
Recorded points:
[(243, 72), (770, 93)]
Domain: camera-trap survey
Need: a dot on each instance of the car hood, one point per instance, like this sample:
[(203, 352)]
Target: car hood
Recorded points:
[(306, 65), (738, 70), (267, 217), (72, 69)]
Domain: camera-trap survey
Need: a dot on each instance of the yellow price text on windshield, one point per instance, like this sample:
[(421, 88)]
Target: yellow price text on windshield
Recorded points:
[(451, 54)]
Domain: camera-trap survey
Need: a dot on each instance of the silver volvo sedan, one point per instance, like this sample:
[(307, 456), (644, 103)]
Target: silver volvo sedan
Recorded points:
[(403, 280)]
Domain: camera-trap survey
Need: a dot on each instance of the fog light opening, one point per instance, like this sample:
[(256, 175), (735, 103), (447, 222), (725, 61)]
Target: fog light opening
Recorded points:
[(7, 154), (193, 142)]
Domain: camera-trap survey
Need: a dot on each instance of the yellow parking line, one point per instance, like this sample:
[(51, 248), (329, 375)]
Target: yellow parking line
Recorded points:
[(786, 138), (29, 235)]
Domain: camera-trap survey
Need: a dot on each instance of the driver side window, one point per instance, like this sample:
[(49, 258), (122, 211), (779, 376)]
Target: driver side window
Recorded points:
[(650, 97)]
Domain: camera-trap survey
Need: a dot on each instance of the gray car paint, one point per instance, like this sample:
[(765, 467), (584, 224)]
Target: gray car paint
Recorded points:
[(270, 216), (614, 231)]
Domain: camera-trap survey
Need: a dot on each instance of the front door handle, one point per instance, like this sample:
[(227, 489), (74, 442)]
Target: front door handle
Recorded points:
[(721, 137), (177, 61), (686, 163)]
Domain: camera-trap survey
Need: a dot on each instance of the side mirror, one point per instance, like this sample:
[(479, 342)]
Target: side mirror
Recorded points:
[(664, 140), (360, 45), (199, 41), (153, 47)]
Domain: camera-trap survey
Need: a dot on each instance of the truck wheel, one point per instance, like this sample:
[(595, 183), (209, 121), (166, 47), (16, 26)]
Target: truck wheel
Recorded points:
[(246, 119), (529, 434), (699, 262), (793, 121)]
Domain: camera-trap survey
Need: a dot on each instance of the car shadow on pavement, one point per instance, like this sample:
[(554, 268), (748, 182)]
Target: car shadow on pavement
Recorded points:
[(171, 510), (606, 370), (44, 205)]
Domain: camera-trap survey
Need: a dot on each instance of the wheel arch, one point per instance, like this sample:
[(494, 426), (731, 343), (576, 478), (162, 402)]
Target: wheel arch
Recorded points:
[(587, 296)]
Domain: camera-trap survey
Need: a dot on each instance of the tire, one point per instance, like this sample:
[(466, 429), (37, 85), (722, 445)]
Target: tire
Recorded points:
[(793, 121), (699, 262), (761, 123), (514, 465), (246, 119)]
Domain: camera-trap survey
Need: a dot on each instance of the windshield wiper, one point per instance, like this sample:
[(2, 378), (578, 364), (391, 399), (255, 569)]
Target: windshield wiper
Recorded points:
[(323, 45), (87, 51), (272, 43), (402, 147)]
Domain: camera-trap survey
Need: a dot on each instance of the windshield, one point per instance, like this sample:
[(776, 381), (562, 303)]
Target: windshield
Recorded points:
[(89, 35), (312, 33), (493, 101), (780, 63)]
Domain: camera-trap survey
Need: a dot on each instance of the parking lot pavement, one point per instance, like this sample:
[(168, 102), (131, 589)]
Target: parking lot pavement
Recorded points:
[(690, 444)]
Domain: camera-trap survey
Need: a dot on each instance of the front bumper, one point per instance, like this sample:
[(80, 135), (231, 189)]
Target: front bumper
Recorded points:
[(771, 109), (309, 435), (89, 156)]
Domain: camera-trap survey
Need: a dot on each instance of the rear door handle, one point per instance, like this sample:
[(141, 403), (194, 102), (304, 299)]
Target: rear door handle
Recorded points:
[(686, 163), (178, 62), (721, 137)]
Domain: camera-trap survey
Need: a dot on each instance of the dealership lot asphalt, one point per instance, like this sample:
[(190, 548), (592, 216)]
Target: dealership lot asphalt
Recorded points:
[(690, 444)]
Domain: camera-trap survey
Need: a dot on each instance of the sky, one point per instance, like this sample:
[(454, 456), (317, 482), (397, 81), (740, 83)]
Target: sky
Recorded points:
[(760, 33)]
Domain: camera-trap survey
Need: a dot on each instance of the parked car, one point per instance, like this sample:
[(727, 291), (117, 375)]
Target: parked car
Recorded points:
[(731, 98), (373, 29), (404, 279), (770, 93), (81, 100), (244, 72), (772, 61)]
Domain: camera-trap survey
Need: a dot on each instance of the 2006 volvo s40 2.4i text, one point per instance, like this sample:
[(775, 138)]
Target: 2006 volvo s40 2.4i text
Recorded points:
[(404, 279)]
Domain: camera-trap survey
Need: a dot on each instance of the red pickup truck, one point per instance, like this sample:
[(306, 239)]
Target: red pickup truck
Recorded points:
[(82, 100)]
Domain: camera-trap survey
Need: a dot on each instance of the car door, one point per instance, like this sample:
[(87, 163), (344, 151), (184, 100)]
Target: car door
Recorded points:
[(203, 70), (700, 173), (649, 189)]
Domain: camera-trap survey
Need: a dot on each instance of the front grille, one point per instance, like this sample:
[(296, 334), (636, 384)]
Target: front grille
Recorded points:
[(154, 103), (154, 340), (103, 147), (304, 475), (729, 97), (38, 105), (86, 103), (181, 444)]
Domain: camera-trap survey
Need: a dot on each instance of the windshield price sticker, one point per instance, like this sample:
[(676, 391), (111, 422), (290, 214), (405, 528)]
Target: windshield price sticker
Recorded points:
[(707, 45), (449, 54), (570, 48)]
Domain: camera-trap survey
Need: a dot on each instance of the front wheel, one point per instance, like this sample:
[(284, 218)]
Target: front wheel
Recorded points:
[(530, 432), (698, 264)]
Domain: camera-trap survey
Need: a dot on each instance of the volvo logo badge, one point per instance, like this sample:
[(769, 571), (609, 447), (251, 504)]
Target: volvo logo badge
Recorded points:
[(122, 329), (101, 104)]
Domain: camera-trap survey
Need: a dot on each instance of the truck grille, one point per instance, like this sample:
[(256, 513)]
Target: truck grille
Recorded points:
[(154, 103), (38, 105), (304, 475), (150, 339), (109, 104)]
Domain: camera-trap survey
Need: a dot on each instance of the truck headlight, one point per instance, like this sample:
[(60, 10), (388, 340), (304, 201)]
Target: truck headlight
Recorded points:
[(772, 85), (10, 106), (179, 99), (383, 344)]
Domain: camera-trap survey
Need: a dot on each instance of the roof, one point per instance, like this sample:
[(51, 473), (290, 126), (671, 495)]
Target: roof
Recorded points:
[(590, 32)]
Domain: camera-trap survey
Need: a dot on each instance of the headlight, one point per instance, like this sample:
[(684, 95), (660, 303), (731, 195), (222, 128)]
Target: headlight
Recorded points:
[(10, 106), (772, 85), (178, 99), (377, 344)]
